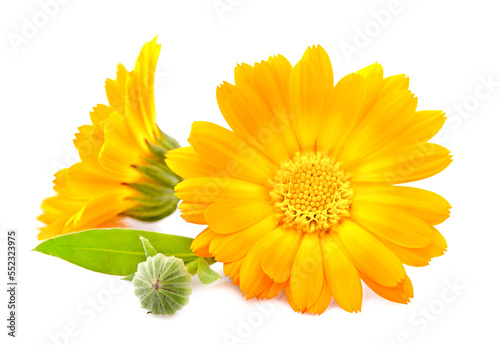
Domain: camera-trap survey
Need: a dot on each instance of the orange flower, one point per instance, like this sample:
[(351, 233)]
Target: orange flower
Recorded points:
[(300, 196), (122, 170)]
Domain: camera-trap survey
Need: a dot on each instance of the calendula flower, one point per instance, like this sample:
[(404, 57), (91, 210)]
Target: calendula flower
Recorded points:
[(122, 170), (300, 196)]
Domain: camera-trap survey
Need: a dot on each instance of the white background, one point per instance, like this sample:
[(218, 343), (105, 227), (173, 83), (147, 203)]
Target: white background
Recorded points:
[(51, 80)]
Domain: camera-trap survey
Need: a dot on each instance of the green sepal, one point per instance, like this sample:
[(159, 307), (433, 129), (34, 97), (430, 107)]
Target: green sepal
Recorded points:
[(206, 274), (151, 189), (163, 167), (148, 248), (201, 266), (152, 214), (151, 201), (192, 266), (157, 150), (167, 142), (155, 199), (164, 143), (159, 175)]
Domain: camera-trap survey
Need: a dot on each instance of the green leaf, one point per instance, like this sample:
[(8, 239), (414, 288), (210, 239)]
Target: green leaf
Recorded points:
[(129, 278), (148, 248), (205, 273), (114, 251)]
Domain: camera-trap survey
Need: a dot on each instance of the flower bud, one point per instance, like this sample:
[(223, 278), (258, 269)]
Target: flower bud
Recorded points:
[(163, 284)]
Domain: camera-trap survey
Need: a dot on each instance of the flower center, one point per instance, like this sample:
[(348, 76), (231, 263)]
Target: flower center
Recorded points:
[(312, 193), (156, 285)]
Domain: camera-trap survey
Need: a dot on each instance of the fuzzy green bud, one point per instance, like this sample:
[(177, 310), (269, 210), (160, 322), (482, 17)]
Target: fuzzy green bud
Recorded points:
[(163, 284)]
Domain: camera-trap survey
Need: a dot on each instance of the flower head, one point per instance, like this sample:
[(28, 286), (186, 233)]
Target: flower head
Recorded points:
[(122, 170), (301, 194)]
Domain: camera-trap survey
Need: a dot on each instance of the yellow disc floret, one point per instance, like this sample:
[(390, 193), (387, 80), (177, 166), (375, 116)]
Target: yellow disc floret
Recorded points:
[(312, 193)]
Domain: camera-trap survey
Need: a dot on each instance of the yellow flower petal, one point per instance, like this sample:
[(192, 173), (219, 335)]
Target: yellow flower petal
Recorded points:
[(116, 90), (99, 114), (232, 269), (429, 206), (253, 280), (373, 76), (278, 260), (52, 229), (269, 79), (391, 223), (283, 69), (99, 210), (57, 205), (390, 114), (233, 246), (201, 243), (307, 98), (143, 87), (139, 99), (370, 256), (341, 275), (193, 213), (414, 163), (423, 126), (225, 217), (318, 56), (185, 162), (272, 290), (342, 113), (323, 301), (88, 141), (79, 182), (291, 301), (306, 278), (249, 117), (419, 257), (118, 153), (206, 190), (401, 293), (231, 155)]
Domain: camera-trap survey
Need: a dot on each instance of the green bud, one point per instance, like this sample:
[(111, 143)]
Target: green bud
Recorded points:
[(163, 284)]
